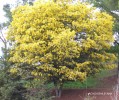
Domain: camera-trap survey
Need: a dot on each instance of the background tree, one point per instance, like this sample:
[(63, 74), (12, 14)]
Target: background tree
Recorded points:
[(3, 27), (6, 84), (63, 41)]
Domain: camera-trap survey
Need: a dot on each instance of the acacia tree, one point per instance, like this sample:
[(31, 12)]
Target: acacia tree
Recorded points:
[(62, 40)]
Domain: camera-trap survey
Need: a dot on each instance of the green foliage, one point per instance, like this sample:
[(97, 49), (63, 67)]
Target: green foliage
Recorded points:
[(8, 14), (115, 49), (6, 92), (37, 90), (8, 87), (15, 89), (5, 89)]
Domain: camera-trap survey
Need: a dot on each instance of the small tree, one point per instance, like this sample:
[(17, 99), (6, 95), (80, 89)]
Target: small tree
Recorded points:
[(62, 40)]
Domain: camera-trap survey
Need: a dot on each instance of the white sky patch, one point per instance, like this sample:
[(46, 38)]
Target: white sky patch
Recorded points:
[(116, 12), (2, 18), (3, 2)]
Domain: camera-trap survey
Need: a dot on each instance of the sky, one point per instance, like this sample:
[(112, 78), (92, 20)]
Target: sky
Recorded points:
[(3, 2), (2, 18)]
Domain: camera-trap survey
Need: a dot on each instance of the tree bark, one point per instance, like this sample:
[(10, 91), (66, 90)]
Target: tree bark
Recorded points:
[(118, 65), (58, 92), (58, 89)]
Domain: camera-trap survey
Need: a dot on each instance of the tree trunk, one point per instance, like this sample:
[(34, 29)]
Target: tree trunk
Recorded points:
[(118, 65), (58, 89), (58, 92)]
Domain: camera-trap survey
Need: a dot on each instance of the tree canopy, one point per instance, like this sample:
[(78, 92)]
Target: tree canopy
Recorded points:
[(64, 41)]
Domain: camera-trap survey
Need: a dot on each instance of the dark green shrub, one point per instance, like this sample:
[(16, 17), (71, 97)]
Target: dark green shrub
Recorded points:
[(38, 90), (10, 89)]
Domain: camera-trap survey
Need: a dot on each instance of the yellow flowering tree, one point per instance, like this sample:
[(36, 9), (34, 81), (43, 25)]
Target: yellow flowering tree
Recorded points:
[(62, 40)]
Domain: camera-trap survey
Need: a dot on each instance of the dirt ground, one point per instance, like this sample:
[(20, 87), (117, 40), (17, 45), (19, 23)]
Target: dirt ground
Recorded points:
[(104, 91)]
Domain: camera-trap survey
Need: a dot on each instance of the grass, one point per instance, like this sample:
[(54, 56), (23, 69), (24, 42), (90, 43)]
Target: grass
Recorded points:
[(106, 73), (91, 81)]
